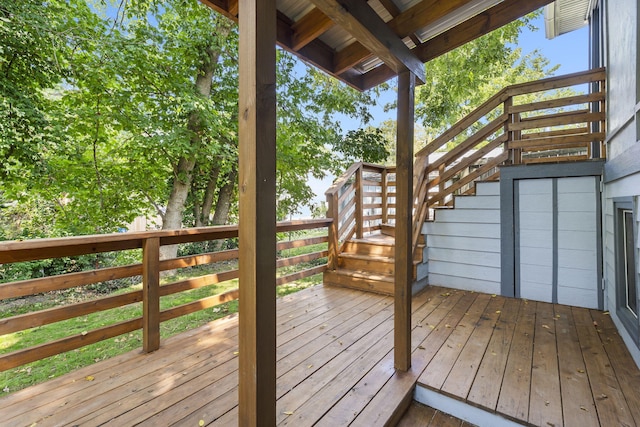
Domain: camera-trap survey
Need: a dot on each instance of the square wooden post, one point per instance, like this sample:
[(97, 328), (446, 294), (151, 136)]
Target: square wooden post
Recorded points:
[(257, 224), (404, 222), (151, 294)]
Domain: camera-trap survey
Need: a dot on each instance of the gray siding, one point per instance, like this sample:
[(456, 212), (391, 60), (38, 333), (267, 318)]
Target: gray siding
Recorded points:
[(623, 141), (463, 244)]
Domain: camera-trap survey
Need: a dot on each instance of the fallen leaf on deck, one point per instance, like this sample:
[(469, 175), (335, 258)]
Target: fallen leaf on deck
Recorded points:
[(546, 326), (580, 370), (432, 326), (288, 412), (546, 403), (84, 333), (89, 378), (310, 366), (201, 423), (595, 323), (606, 313), (583, 408), (498, 311), (235, 353), (421, 347), (447, 325), (493, 296)]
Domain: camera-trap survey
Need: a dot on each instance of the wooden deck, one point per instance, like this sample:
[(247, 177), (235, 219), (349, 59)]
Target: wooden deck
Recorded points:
[(538, 363)]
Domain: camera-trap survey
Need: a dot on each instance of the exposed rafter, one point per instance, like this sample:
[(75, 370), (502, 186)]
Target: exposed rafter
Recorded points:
[(309, 27), (481, 24), (372, 32)]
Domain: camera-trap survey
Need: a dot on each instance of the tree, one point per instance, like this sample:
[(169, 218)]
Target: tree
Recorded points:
[(145, 105)]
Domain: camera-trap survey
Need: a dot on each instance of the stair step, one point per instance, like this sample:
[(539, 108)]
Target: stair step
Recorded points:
[(388, 229), (360, 280), (367, 247), (375, 264)]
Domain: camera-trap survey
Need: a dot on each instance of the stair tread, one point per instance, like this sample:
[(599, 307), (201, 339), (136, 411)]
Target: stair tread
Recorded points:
[(361, 274), (379, 258), (373, 242)]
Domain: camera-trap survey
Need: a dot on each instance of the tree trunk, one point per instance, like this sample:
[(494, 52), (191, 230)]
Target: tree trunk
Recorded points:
[(209, 195), (183, 173), (223, 205)]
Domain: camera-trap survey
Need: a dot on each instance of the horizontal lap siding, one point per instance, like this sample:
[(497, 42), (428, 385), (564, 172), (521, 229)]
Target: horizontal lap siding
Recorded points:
[(463, 244)]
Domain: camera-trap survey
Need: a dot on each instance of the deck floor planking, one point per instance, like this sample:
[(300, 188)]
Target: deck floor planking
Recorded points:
[(536, 363)]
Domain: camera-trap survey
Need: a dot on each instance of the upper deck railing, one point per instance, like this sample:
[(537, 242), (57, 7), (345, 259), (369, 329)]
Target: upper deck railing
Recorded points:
[(528, 123)]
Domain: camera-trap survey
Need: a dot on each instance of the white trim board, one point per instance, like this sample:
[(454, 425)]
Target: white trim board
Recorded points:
[(459, 409)]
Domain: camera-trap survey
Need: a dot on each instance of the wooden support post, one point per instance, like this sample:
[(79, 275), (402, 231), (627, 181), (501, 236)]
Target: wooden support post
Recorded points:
[(359, 195), (151, 294), (515, 154), (333, 213), (385, 202), (257, 224), (404, 222)]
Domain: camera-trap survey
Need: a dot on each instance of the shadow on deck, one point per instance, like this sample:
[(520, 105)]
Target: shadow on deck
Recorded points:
[(534, 363)]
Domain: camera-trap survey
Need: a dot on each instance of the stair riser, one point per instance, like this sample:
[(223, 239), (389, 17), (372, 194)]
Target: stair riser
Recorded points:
[(366, 265), (371, 285), (364, 248)]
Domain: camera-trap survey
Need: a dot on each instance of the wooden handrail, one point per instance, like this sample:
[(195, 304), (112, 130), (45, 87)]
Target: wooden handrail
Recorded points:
[(17, 251)]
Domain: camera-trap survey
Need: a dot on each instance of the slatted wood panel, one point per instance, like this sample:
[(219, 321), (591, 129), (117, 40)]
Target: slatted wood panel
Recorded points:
[(534, 362)]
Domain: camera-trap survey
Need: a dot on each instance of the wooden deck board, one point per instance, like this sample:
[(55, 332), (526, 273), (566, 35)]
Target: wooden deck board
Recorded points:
[(486, 386), (610, 402), (624, 366), (545, 406), (577, 401), (464, 371), (537, 363)]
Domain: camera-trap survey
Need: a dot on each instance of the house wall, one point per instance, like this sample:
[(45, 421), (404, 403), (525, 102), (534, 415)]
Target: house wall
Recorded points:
[(619, 53), (463, 244)]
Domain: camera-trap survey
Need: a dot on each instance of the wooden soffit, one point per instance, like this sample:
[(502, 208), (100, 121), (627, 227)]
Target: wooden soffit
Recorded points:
[(365, 43)]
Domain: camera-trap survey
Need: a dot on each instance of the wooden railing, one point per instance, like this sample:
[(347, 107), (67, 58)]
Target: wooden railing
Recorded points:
[(149, 269), (359, 202), (526, 123)]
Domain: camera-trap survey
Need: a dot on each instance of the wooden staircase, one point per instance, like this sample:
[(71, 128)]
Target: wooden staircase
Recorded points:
[(368, 264), (508, 129)]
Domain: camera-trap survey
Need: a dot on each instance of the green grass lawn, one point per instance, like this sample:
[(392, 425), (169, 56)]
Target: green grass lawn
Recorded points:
[(42, 370)]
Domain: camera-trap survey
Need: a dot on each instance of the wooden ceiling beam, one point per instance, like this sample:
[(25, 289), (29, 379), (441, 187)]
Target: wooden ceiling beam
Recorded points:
[(404, 24), (364, 24), (423, 14), (309, 27), (232, 6), (481, 24)]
